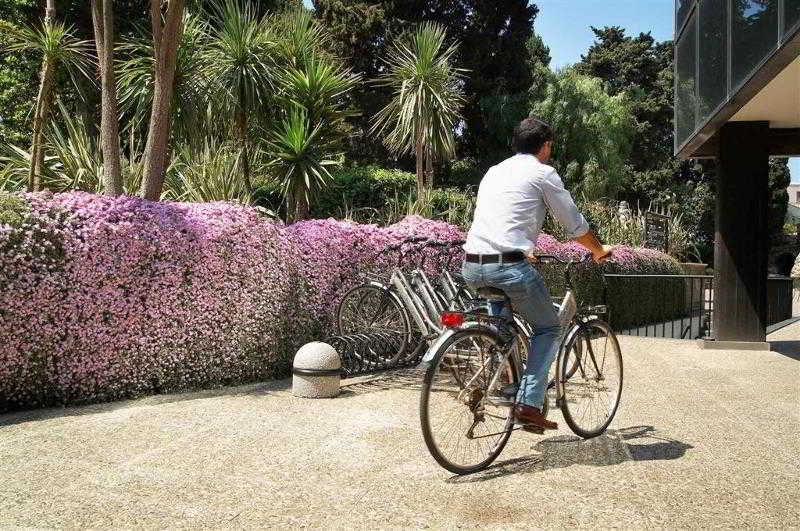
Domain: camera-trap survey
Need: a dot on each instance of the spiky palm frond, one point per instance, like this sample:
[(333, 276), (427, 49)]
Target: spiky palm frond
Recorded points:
[(210, 173), (302, 155), (427, 93), (135, 67), (299, 38), (319, 87), (238, 56), (54, 41)]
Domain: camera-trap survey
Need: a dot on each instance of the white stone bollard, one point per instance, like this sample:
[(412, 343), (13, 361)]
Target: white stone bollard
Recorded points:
[(316, 371)]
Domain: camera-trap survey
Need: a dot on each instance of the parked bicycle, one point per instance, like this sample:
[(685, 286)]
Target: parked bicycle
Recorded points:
[(408, 305), (474, 369)]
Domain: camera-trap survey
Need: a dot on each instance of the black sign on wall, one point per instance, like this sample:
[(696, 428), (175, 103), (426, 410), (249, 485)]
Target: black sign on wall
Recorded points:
[(656, 231)]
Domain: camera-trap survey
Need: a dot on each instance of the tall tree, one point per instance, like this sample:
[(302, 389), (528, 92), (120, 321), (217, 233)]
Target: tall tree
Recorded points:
[(103, 16), (641, 68), (426, 102), (166, 33), (238, 62), (493, 40), (57, 46), (593, 133)]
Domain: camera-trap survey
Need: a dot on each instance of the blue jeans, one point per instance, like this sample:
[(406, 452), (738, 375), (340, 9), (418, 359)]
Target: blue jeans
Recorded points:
[(529, 298)]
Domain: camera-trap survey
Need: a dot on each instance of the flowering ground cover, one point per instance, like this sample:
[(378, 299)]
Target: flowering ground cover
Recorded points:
[(103, 298)]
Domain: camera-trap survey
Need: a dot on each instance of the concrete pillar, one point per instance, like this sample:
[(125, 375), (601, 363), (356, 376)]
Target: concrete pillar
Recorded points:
[(742, 240)]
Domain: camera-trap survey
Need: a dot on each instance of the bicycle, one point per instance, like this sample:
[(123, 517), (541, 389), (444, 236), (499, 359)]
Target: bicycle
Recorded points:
[(407, 306), (467, 420)]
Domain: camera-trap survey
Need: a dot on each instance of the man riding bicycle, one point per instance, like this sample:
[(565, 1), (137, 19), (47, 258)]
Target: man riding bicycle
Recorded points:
[(513, 198)]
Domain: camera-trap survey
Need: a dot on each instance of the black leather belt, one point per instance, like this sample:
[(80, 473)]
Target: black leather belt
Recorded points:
[(504, 258)]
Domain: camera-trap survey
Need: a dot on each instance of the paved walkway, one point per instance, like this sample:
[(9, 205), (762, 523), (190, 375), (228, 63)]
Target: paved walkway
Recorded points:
[(702, 438)]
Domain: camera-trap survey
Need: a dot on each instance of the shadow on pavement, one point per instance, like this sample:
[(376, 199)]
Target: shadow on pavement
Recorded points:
[(259, 389), (408, 379), (790, 349), (635, 443)]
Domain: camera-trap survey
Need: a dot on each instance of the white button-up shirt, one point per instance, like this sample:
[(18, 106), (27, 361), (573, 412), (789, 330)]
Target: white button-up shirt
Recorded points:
[(513, 198)]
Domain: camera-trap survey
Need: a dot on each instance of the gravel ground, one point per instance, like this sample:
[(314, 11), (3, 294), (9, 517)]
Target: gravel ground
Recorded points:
[(703, 438)]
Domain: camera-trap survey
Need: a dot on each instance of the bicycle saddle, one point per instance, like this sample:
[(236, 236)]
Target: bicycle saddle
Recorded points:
[(492, 294)]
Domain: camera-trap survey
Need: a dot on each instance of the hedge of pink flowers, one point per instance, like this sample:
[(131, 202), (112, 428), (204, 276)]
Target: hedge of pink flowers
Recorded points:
[(103, 298)]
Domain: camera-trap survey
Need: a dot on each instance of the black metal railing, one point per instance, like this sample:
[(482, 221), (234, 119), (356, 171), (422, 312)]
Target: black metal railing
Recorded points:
[(668, 306)]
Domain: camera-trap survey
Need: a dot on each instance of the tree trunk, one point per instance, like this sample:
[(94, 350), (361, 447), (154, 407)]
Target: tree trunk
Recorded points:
[(44, 101), (429, 169), (301, 207), (103, 17), (165, 45), (241, 135), (420, 164)]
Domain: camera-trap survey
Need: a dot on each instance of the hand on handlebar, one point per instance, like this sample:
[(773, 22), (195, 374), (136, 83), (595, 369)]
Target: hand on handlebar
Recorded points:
[(599, 258)]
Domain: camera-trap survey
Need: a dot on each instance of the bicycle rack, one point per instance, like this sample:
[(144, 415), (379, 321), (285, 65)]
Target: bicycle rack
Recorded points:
[(375, 351)]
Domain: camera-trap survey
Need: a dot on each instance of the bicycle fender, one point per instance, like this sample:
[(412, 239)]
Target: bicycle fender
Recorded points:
[(443, 337)]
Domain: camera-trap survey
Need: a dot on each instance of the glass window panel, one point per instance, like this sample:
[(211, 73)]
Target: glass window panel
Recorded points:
[(685, 82), (712, 85), (682, 8), (754, 33), (791, 14)]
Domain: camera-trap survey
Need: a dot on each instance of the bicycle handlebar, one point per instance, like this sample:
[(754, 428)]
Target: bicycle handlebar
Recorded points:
[(544, 258)]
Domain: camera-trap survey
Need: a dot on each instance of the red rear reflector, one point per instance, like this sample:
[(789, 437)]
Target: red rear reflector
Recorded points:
[(452, 319)]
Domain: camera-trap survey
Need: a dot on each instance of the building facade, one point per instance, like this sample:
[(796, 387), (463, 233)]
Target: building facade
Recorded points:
[(737, 100)]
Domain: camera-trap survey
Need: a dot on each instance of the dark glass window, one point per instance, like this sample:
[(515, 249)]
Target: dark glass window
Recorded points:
[(682, 8), (791, 14), (685, 82), (754, 33), (713, 82)]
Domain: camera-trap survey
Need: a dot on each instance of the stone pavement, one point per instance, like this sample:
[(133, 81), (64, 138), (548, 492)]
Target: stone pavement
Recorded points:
[(702, 438)]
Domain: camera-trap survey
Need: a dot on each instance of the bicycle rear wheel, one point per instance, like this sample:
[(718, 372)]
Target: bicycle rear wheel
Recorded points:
[(590, 377), (371, 308), (466, 417)]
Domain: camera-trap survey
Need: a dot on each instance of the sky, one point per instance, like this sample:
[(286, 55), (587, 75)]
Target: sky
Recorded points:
[(565, 27)]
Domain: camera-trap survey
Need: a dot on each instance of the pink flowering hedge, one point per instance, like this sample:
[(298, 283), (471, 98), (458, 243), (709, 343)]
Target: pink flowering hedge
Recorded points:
[(103, 298)]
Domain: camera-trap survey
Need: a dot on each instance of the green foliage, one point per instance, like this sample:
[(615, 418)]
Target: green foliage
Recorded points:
[(135, 66), (779, 179), (14, 209), (53, 41), (237, 58), (210, 173), (373, 194), (465, 173), (426, 94), (17, 96), (492, 37), (366, 188), (593, 132), (640, 68), (302, 153)]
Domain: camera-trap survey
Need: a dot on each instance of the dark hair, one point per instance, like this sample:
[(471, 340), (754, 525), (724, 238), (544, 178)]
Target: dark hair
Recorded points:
[(530, 135)]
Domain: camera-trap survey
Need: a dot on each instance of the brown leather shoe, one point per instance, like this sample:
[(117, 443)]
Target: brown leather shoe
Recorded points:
[(528, 415)]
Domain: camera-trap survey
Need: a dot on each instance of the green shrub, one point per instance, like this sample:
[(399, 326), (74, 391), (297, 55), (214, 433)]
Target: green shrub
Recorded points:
[(362, 187), (465, 173), (13, 209)]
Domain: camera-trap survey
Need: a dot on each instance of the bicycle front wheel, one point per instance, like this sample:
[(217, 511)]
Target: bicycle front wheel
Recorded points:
[(467, 400), (590, 378)]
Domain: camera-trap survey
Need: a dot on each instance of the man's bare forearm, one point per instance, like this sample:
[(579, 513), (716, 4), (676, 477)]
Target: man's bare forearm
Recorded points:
[(590, 241)]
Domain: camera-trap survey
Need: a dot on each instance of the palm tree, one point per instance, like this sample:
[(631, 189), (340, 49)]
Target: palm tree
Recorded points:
[(308, 140), (427, 96), (59, 47), (135, 75), (166, 27), (103, 21), (239, 62)]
